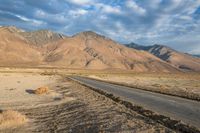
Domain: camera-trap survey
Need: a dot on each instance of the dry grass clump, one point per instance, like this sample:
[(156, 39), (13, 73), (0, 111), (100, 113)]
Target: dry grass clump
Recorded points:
[(41, 90), (11, 119)]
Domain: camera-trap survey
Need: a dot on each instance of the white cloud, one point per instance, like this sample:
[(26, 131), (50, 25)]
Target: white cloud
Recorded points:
[(196, 50), (136, 8), (78, 12), (81, 2), (108, 9), (55, 18), (103, 17), (162, 21), (30, 20), (34, 21), (184, 17), (175, 4), (40, 13)]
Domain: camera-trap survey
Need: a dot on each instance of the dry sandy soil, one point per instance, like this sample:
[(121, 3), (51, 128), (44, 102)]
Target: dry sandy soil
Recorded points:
[(186, 85), (67, 107)]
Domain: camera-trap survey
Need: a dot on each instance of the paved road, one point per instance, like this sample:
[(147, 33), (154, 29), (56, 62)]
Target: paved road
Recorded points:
[(179, 108)]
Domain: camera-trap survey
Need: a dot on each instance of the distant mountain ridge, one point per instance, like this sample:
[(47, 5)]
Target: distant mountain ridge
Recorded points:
[(196, 55), (39, 37), (42, 37), (180, 60), (137, 46), (85, 50)]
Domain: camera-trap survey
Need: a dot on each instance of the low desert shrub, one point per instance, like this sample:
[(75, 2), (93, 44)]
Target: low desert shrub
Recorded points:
[(41, 90), (10, 118)]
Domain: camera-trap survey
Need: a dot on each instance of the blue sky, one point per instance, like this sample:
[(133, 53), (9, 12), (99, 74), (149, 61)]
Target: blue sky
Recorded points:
[(175, 23)]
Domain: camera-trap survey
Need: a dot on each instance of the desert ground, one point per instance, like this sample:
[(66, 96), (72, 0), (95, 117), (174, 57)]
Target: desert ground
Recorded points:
[(66, 107), (185, 85)]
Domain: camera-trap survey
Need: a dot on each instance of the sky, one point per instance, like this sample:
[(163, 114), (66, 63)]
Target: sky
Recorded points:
[(175, 23)]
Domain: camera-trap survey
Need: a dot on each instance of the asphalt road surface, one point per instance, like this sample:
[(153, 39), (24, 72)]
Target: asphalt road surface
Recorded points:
[(175, 107)]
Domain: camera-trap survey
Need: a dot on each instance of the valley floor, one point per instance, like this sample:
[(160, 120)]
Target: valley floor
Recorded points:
[(67, 107)]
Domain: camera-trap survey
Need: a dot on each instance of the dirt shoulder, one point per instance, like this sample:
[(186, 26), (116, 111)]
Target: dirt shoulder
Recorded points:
[(71, 107)]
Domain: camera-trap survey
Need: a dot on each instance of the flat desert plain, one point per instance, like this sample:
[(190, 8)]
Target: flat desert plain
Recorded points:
[(65, 107)]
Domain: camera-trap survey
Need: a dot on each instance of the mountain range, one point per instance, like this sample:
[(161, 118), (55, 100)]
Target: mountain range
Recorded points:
[(183, 61), (196, 55), (84, 50)]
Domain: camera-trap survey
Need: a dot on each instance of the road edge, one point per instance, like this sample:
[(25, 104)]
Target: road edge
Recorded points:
[(195, 98), (168, 122)]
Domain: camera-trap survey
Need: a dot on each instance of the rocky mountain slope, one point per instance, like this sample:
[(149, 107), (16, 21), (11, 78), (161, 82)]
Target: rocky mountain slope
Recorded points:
[(38, 38), (41, 37), (86, 50), (198, 56), (14, 49), (180, 60), (93, 51), (138, 47)]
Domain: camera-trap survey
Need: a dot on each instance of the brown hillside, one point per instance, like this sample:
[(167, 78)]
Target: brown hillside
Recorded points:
[(86, 50), (15, 51), (41, 37), (182, 61), (92, 51)]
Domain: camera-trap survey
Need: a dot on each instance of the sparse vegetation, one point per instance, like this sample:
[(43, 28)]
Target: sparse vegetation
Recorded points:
[(41, 90), (49, 73), (69, 106), (11, 119)]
